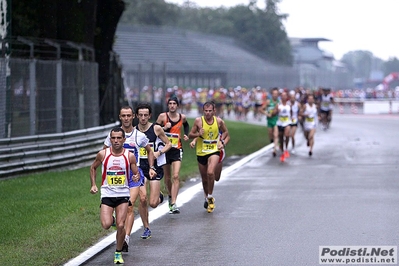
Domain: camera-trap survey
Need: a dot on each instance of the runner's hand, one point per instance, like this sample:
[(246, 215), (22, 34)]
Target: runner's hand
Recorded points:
[(152, 173), (185, 137), (192, 144), (201, 132), (136, 177), (93, 190), (168, 125)]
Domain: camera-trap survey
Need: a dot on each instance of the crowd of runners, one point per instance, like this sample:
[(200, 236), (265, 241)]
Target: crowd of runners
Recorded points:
[(136, 157)]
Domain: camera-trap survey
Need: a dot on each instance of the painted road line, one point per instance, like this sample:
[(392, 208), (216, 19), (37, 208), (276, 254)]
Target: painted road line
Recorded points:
[(163, 209)]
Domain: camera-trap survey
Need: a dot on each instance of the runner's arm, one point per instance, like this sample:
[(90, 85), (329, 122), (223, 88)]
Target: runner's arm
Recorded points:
[(225, 138), (186, 127), (93, 171), (161, 134), (196, 131), (160, 119), (133, 167)]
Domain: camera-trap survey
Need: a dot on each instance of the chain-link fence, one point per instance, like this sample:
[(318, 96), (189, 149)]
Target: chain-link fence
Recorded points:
[(48, 96), (167, 75)]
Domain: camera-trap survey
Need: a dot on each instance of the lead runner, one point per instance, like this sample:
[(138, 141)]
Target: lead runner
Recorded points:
[(206, 129)]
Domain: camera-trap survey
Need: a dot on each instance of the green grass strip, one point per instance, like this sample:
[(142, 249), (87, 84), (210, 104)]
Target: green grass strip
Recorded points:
[(49, 218)]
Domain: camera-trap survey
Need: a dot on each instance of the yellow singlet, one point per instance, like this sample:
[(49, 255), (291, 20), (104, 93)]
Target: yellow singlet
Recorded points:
[(209, 142)]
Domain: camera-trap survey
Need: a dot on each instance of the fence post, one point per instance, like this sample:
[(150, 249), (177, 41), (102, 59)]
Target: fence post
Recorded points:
[(32, 96), (58, 86), (58, 97)]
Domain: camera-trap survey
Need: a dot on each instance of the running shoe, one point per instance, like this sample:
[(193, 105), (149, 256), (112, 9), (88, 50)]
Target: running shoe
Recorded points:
[(160, 197), (174, 209), (125, 247), (211, 204), (310, 153), (118, 258), (282, 158), (286, 154), (206, 204), (170, 202), (146, 234), (274, 153)]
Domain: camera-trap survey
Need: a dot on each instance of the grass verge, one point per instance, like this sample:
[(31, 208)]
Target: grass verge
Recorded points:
[(49, 218)]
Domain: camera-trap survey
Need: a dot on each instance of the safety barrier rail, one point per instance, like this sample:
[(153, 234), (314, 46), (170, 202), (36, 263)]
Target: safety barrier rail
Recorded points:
[(366, 106), (21, 155)]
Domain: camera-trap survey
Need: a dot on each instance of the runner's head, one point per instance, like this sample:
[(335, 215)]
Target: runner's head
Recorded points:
[(117, 136), (284, 97), (326, 91), (143, 112), (173, 103), (126, 115), (292, 96), (275, 94), (310, 98), (208, 109)]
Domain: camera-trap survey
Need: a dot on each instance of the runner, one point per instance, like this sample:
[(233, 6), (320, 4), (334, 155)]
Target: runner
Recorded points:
[(134, 141), (326, 102), (295, 107), (172, 122), (284, 125), (206, 128), (219, 166), (258, 99), (160, 144), (117, 164), (309, 112), (270, 110)]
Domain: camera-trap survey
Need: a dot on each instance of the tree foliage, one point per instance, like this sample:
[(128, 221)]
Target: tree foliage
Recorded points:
[(392, 65), (261, 30)]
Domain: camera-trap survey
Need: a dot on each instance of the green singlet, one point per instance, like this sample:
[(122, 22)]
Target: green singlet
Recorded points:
[(272, 121)]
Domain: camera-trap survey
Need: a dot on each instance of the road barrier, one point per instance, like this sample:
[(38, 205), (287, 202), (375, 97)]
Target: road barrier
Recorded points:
[(21, 155), (359, 106)]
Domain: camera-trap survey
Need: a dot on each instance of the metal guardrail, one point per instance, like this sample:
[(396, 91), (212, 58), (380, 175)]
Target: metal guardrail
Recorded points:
[(21, 155)]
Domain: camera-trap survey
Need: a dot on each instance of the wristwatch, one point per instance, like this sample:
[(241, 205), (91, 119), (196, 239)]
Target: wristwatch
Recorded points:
[(153, 168), (160, 152)]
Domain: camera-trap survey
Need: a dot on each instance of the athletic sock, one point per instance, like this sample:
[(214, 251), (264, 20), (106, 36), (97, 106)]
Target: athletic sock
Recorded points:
[(210, 196), (127, 238)]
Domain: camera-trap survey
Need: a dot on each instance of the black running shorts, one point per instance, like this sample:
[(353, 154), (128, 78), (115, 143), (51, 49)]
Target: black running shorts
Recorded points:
[(113, 202)]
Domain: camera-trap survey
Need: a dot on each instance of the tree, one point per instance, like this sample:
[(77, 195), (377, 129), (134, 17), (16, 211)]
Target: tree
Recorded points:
[(150, 12), (359, 63), (261, 31), (392, 65)]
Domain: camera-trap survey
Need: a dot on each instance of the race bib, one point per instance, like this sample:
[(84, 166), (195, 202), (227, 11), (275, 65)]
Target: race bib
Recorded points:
[(173, 138), (209, 145), (326, 104), (116, 178), (143, 152), (284, 118), (294, 120), (309, 119)]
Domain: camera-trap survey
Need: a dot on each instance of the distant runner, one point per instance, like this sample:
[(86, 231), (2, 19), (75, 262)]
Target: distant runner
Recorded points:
[(309, 113)]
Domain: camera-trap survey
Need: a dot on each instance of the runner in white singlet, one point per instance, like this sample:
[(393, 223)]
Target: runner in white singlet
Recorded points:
[(309, 113), (117, 163)]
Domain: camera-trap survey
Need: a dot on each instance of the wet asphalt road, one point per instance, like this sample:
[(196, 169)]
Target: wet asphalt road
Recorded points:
[(273, 213)]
